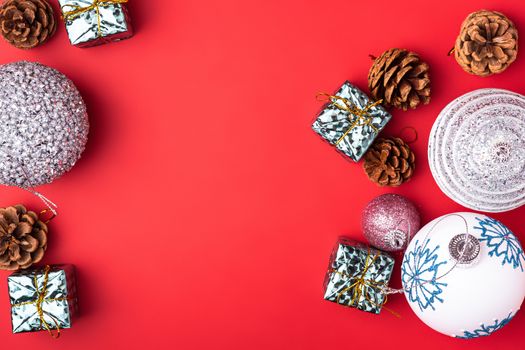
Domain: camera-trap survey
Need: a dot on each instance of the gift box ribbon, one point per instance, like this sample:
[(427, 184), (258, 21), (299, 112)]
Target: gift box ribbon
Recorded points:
[(362, 114), (78, 10), (41, 292)]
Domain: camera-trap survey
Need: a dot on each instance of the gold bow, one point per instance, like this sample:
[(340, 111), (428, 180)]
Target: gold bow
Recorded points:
[(40, 300), (78, 10), (363, 115)]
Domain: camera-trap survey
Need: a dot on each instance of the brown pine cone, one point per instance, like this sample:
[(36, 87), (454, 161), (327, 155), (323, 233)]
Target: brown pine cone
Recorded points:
[(23, 238), (389, 162), (487, 43), (27, 23), (400, 79)]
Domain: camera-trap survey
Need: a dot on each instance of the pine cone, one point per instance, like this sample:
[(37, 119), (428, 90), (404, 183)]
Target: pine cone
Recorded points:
[(27, 23), (487, 43), (400, 79), (389, 162), (23, 238)]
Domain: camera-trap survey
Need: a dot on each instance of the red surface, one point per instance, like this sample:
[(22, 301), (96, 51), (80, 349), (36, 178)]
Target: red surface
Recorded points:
[(204, 209)]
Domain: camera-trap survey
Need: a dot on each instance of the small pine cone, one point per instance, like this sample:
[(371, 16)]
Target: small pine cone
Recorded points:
[(389, 162), (487, 43), (23, 238), (27, 23), (400, 79)]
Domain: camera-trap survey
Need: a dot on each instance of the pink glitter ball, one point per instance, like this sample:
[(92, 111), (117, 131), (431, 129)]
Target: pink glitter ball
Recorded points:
[(390, 221)]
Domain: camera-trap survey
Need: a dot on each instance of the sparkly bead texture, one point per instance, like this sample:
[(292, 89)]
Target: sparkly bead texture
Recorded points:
[(389, 221), (43, 124)]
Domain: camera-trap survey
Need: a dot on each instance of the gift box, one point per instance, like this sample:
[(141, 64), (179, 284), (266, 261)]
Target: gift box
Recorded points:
[(42, 299), (357, 276), (350, 121), (95, 22)]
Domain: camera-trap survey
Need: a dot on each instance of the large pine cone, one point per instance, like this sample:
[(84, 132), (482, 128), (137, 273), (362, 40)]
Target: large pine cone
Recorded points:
[(487, 43), (389, 162), (23, 238), (400, 79), (27, 23)]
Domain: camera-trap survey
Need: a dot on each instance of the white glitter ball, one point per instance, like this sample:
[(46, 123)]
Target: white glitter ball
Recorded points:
[(476, 150), (43, 124)]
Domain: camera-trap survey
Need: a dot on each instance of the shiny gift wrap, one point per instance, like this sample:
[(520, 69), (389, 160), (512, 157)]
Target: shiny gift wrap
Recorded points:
[(350, 133), (40, 302), (95, 22), (357, 276)]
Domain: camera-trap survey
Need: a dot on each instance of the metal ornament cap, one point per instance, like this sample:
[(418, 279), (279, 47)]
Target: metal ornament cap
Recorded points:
[(464, 249)]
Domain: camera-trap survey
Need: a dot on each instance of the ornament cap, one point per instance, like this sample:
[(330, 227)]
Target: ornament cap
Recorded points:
[(464, 249)]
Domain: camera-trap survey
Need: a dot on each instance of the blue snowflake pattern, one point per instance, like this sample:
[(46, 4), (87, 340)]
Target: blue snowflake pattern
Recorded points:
[(485, 330), (501, 242), (419, 273)]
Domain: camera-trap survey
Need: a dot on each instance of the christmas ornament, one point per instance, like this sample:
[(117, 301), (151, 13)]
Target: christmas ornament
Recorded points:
[(44, 124), (400, 79), (27, 23), (389, 162), (463, 275), (358, 276), (350, 121), (23, 238), (95, 22), (389, 221), (487, 43), (476, 150), (43, 299)]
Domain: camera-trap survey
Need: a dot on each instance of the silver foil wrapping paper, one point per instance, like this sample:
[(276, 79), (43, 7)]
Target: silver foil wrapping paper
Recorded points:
[(83, 29), (333, 122), (59, 303), (351, 261)]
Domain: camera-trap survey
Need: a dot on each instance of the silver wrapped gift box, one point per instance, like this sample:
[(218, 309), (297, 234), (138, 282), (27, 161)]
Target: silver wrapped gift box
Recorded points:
[(357, 276), (95, 22), (42, 298), (350, 121)]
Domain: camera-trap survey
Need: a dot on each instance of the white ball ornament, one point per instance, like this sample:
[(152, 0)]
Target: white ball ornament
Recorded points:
[(463, 275)]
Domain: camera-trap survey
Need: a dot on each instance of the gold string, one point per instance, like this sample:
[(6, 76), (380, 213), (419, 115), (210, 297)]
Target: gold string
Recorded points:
[(363, 115), (40, 300), (78, 10), (361, 282)]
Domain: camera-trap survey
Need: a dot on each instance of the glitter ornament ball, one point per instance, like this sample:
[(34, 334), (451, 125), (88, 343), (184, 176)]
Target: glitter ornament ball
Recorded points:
[(389, 221), (475, 150), (43, 124), (463, 275)]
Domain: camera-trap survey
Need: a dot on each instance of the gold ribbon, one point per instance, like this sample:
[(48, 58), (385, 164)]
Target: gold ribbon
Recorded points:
[(40, 300), (361, 283), (363, 115), (78, 10)]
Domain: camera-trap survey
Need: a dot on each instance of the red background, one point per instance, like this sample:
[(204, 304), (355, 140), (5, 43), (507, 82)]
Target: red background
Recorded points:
[(203, 212)]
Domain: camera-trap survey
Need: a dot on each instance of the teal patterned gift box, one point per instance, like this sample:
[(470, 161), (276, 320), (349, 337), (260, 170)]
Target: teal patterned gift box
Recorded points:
[(358, 276), (350, 121)]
